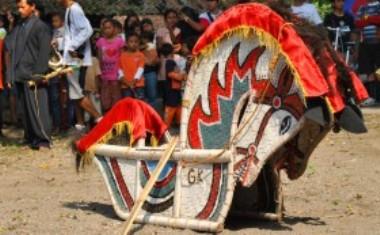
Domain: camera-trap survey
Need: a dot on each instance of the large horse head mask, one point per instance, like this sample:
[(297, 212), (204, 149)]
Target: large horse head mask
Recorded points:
[(264, 89), (256, 88)]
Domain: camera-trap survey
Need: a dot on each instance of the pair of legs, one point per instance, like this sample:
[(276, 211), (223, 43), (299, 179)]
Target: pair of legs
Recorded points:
[(172, 113), (12, 95), (35, 114), (137, 93), (151, 88), (81, 102), (54, 103), (110, 94), (369, 62), (59, 103)]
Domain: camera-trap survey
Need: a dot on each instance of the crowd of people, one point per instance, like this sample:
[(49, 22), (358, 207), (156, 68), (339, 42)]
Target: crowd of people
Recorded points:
[(130, 58)]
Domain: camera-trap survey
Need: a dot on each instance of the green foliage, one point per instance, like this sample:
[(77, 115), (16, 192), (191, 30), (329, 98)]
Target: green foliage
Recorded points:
[(96, 7), (323, 6), (101, 7)]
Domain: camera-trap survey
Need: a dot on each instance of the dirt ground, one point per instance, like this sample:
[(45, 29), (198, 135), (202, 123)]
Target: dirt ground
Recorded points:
[(40, 192)]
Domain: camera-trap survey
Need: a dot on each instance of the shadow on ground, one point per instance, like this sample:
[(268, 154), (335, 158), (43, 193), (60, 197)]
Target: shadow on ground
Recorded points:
[(10, 142), (105, 210), (238, 223)]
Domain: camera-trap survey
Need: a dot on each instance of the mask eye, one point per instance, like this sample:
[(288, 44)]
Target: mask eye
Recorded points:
[(285, 125)]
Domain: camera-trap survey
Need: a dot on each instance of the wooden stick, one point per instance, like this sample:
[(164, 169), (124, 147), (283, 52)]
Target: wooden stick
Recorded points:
[(53, 74), (148, 187), (154, 154)]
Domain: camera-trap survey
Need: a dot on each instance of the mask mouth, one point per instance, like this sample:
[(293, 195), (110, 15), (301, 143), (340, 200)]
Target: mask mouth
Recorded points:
[(293, 157)]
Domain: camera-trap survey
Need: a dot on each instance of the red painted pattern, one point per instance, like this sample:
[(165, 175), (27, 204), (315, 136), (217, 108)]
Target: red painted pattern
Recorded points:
[(207, 210), (121, 183), (216, 91), (163, 183)]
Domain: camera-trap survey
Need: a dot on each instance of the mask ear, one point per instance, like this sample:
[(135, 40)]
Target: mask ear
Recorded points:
[(351, 119), (317, 111)]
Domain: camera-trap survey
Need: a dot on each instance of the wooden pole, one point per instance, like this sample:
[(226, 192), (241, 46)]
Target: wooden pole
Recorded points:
[(47, 77), (205, 156), (148, 187)]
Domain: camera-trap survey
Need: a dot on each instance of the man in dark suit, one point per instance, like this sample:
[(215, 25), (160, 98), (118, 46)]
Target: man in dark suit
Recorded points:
[(30, 51)]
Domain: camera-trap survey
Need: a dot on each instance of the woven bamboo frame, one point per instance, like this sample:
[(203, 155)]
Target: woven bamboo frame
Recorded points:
[(175, 221)]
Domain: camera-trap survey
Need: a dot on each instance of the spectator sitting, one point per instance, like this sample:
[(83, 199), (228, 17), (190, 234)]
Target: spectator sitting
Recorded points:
[(109, 50), (132, 68), (307, 11), (174, 78)]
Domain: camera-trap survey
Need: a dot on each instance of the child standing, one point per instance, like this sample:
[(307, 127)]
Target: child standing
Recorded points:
[(91, 86), (132, 63), (174, 78), (151, 67), (342, 20), (57, 86), (109, 51)]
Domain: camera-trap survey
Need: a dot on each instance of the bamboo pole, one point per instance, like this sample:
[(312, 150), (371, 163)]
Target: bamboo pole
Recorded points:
[(177, 192), (154, 154), (148, 187), (47, 77), (140, 143)]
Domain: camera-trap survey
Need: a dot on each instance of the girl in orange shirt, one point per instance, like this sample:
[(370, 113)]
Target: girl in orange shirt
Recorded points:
[(132, 68)]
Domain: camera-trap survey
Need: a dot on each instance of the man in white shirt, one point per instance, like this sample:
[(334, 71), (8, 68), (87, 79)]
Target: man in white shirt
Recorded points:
[(306, 11), (77, 53)]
